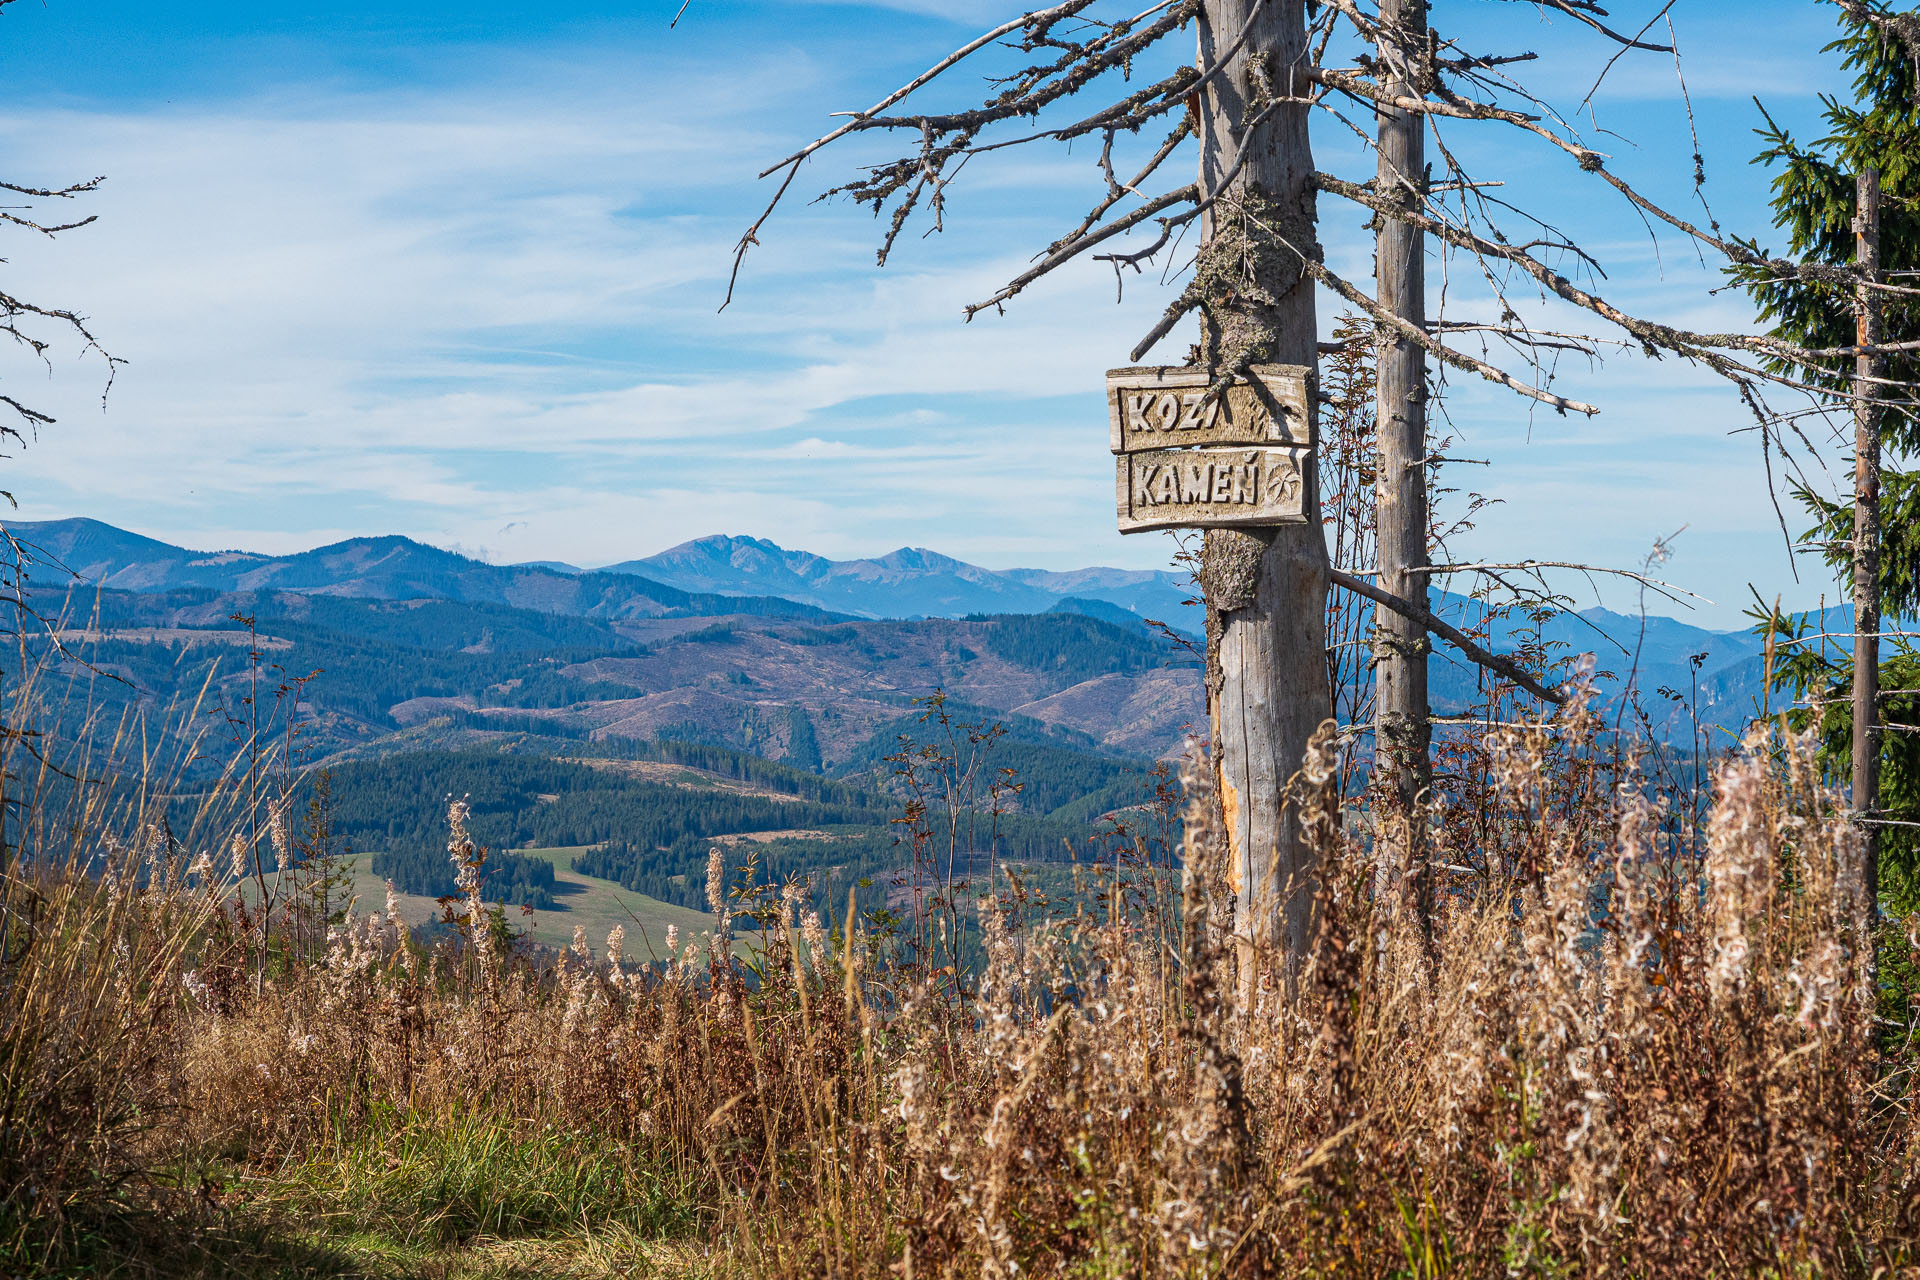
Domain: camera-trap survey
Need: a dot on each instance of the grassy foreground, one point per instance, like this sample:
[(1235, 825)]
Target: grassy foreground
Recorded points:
[(1628, 1046), (450, 1196)]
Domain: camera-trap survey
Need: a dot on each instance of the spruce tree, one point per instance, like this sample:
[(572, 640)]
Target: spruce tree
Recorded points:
[(1814, 203)]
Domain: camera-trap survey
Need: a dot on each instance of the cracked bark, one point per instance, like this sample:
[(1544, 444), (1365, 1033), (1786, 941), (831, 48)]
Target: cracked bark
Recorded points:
[(1402, 727), (1266, 589)]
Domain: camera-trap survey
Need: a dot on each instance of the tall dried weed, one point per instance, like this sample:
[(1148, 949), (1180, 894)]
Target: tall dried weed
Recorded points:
[(1620, 1053)]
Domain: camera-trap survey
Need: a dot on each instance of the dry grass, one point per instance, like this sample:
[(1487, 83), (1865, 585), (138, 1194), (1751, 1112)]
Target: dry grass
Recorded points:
[(1627, 1049), (585, 902)]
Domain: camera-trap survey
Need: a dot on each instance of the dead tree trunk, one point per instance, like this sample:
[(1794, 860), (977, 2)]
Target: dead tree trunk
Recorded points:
[(1866, 530), (1266, 589), (1402, 729), (1248, 103)]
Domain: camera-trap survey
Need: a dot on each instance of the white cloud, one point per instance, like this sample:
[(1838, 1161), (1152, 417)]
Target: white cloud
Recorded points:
[(486, 315)]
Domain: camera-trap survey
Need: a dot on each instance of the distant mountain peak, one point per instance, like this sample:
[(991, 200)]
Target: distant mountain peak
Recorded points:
[(907, 582), (732, 563), (757, 573), (727, 542), (382, 542), (922, 558), (373, 567)]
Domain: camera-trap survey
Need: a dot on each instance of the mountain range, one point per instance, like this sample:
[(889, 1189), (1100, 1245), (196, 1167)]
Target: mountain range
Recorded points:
[(742, 582), (1713, 673), (709, 576), (909, 583), (380, 568)]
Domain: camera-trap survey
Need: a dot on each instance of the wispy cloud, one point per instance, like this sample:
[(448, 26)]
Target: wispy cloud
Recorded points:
[(485, 314)]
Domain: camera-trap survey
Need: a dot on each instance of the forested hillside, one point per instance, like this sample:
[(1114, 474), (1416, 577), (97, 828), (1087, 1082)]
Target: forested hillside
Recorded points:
[(643, 745), (381, 676), (650, 828)]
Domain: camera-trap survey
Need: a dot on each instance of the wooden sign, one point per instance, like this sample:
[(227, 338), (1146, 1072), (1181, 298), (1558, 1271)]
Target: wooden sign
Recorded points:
[(1160, 408), (1171, 471), (1211, 488)]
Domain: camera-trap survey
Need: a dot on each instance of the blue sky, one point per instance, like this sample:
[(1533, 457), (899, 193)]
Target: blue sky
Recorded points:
[(452, 271)]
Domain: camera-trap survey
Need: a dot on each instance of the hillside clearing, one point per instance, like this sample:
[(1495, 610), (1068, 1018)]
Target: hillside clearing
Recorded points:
[(585, 901)]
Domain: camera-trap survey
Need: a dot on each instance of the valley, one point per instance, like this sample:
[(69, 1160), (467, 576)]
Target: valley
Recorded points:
[(636, 723), (584, 901)]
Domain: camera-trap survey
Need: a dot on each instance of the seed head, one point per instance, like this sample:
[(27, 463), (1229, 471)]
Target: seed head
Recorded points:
[(717, 881), (815, 936), (279, 829)]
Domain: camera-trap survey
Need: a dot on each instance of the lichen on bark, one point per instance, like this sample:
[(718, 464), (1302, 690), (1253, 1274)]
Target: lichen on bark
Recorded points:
[(1230, 562), (1250, 263)]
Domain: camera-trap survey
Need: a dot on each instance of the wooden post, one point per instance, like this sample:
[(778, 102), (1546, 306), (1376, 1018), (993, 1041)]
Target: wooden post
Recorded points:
[(1403, 731), (1866, 530), (1266, 588)]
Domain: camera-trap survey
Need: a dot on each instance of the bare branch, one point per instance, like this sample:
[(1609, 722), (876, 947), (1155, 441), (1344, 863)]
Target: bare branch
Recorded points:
[(59, 193), (1519, 334), (1580, 11), (1458, 359), (43, 228), (1707, 348), (1075, 71), (1655, 583), (1625, 45), (1117, 191), (1080, 245), (752, 236), (1451, 105), (926, 77), (1129, 113), (31, 415), (1448, 632)]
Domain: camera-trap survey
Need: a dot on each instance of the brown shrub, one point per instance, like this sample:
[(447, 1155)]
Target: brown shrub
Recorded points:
[(1622, 1053)]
